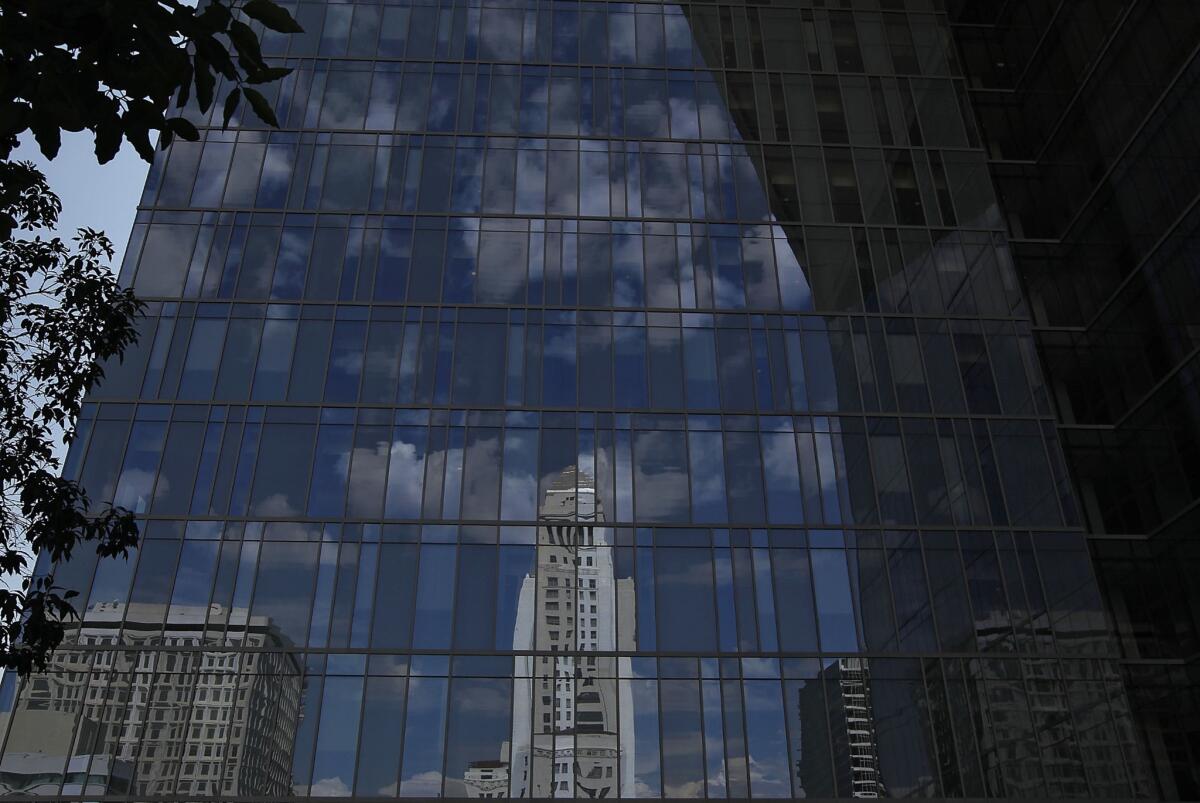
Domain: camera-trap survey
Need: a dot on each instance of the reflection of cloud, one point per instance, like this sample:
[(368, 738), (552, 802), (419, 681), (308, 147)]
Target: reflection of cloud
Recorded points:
[(479, 483), (500, 34), (294, 247), (134, 489), (762, 777), (441, 107), (714, 119), (659, 476), (779, 455), (825, 464), (163, 487), (685, 123), (277, 167), (406, 478), (621, 39), (727, 294), (423, 784), (481, 698), (519, 496), (275, 505), (697, 574), (647, 117), (690, 789), (708, 488), (349, 361), (559, 343), (345, 100), (329, 787), (628, 272), (640, 789), (367, 488), (595, 191), (665, 189)]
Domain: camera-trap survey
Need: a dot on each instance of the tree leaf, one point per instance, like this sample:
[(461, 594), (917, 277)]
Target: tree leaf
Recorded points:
[(246, 43), (231, 104), (206, 83), (183, 127), (108, 139), (273, 16), (267, 74), (261, 106), (218, 56), (216, 16), (47, 134), (185, 87)]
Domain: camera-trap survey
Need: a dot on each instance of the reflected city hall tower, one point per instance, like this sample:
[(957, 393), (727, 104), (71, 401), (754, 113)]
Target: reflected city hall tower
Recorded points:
[(573, 731)]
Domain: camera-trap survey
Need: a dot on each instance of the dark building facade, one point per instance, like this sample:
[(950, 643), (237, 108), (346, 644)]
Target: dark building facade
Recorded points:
[(1089, 113), (596, 399)]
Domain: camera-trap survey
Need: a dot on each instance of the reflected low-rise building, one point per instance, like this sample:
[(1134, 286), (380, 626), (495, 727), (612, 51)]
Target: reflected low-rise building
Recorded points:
[(189, 721), (583, 400)]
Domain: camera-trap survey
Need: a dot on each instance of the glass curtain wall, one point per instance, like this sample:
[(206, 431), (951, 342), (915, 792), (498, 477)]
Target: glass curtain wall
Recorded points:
[(582, 399), (1089, 114)]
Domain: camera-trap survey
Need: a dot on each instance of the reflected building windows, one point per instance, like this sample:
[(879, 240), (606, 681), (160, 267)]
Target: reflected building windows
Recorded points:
[(581, 400)]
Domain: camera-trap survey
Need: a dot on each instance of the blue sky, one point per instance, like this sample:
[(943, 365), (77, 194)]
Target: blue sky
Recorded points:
[(101, 196)]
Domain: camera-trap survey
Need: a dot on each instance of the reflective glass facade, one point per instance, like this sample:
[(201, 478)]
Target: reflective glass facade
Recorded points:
[(584, 400), (1089, 112)]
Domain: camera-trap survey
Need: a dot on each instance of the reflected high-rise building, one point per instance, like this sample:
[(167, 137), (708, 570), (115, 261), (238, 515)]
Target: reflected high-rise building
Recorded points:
[(633, 400), (573, 732), (841, 692)]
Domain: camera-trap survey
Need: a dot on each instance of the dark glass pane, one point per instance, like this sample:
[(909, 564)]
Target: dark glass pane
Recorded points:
[(284, 591), (685, 612), (281, 476)]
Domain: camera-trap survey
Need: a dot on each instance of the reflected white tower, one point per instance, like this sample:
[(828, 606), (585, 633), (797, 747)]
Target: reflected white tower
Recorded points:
[(572, 724)]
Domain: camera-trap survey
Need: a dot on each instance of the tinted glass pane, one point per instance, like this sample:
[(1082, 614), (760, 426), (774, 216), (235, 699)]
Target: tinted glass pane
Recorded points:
[(283, 591)]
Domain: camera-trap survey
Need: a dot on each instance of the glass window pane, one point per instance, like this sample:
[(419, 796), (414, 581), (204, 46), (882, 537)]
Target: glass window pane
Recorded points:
[(337, 738), (478, 736), (682, 748), (642, 743), (327, 494), (766, 740), (794, 600), (284, 591), (835, 607), (421, 769), (281, 477), (394, 596), (685, 612), (660, 476), (406, 473), (381, 735), (136, 483), (435, 597), (181, 454)]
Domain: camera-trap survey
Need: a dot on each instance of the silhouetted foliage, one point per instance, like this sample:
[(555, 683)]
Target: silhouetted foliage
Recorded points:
[(116, 67), (61, 312), (121, 69)]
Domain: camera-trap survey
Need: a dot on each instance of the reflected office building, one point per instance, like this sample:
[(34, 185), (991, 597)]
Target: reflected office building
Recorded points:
[(176, 719), (610, 400)]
